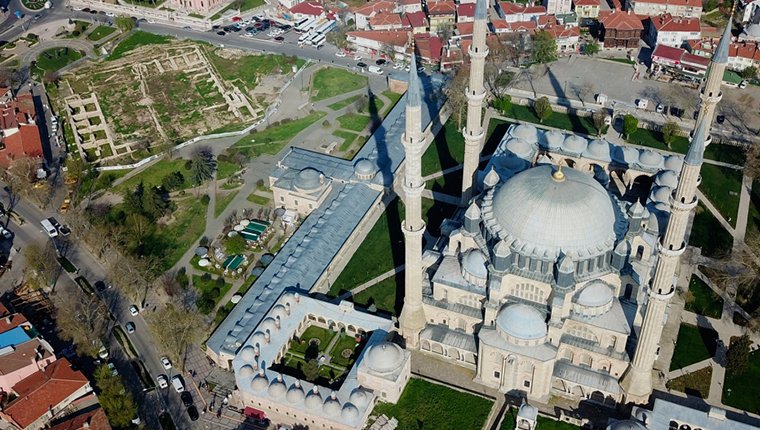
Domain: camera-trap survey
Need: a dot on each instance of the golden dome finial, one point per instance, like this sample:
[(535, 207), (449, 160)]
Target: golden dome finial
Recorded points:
[(558, 175)]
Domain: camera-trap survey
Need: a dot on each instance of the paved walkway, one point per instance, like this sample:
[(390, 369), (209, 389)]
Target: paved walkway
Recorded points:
[(743, 214)]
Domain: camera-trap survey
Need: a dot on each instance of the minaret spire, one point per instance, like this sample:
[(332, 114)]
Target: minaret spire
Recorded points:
[(412, 319), (711, 93), (473, 131)]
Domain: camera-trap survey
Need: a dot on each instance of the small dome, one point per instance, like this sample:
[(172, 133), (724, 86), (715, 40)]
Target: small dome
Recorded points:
[(384, 357), (598, 149), (474, 263), (277, 389), (525, 131), (349, 412), (653, 224), (575, 144), (358, 397), (522, 321), (674, 162), (308, 179), (520, 147), (552, 139), (667, 178), (626, 425), (248, 353), (313, 400), (246, 370), (626, 155), (295, 394), (268, 324), (259, 383), (365, 167), (649, 158), (331, 407), (594, 294), (661, 194), (527, 411)]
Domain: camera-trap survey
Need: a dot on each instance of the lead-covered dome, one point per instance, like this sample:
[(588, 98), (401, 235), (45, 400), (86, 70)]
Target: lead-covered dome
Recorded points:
[(308, 179), (573, 215), (520, 322), (626, 425), (384, 357)]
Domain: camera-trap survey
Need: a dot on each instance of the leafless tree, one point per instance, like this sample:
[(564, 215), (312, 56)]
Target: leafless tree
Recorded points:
[(185, 326), (82, 319), (42, 268), (456, 94)]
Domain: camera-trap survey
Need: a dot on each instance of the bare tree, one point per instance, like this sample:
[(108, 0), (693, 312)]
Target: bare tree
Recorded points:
[(83, 320), (42, 268), (456, 94), (185, 326)]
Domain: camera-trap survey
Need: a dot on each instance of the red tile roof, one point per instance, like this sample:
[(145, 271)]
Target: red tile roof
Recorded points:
[(441, 7), (690, 3), (618, 20), (308, 8), (466, 9), (375, 7), (667, 53), (10, 321), (545, 20), (25, 143), (586, 2), (465, 29), (409, 2), (563, 31), (510, 8), (666, 22), (385, 19), (391, 37), (415, 20), (698, 60), (428, 47), (94, 419), (43, 390)]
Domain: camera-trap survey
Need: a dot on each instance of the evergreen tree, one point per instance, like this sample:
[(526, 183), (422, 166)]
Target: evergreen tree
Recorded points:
[(544, 47), (737, 356)]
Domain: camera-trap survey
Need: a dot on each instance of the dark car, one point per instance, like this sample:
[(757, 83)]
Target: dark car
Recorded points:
[(94, 12), (380, 62), (235, 29), (221, 33), (279, 38), (361, 64), (87, 9), (284, 27), (215, 27), (36, 17), (192, 412), (676, 111), (100, 286), (720, 119), (187, 398)]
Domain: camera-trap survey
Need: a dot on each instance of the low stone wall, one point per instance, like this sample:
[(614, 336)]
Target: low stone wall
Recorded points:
[(160, 16)]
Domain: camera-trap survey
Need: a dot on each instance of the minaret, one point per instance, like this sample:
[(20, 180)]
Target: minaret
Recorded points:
[(412, 319), (473, 131), (637, 381), (711, 93)]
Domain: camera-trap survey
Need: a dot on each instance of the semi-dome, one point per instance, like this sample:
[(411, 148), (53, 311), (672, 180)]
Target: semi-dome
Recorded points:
[(511, 162), (308, 179), (246, 370), (277, 389), (667, 178), (598, 149), (527, 410), (661, 194), (575, 144), (552, 139), (520, 147), (313, 400), (595, 294), (522, 322), (626, 425), (358, 397), (349, 412), (295, 394), (474, 263), (571, 214), (626, 155), (331, 407), (248, 353), (384, 357), (259, 383), (525, 131), (674, 162), (649, 158)]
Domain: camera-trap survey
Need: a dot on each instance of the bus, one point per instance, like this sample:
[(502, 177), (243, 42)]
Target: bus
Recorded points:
[(327, 26), (316, 22), (300, 22), (304, 38), (306, 26), (318, 40)]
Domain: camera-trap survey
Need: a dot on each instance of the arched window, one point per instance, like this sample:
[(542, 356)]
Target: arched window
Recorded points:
[(640, 252)]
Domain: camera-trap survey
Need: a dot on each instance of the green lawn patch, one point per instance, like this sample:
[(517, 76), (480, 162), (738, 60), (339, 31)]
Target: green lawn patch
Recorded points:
[(705, 301), (345, 342), (753, 217), (272, 139), (447, 149), (247, 5), (188, 226), (248, 69), (354, 121), (313, 333), (694, 344), (708, 233), (425, 405), (84, 284), (135, 40), (103, 181), (123, 339), (33, 4), (695, 383), (207, 285), (330, 82), (143, 374), (54, 59), (542, 423), (257, 199), (223, 200), (348, 139), (382, 295), (151, 176), (719, 152), (345, 102), (225, 169), (165, 419), (621, 60), (722, 186), (101, 32), (393, 97), (740, 391), (576, 124)]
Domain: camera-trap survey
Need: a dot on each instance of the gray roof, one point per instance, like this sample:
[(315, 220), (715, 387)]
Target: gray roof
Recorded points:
[(446, 336), (614, 319), (453, 307), (313, 246), (664, 411), (721, 53), (543, 351), (480, 9), (522, 321), (587, 377)]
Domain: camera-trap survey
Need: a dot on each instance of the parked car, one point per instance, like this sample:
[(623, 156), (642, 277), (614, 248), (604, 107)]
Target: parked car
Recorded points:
[(103, 352), (361, 64), (192, 412), (166, 363), (133, 310), (114, 372), (130, 327), (380, 62), (110, 14), (340, 54), (720, 119), (221, 33), (660, 108), (6, 234), (279, 38), (187, 398), (162, 381), (177, 383)]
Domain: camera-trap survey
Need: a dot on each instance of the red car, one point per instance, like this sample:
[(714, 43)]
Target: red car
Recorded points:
[(236, 19)]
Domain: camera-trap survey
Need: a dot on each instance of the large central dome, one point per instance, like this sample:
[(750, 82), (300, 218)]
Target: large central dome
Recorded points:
[(570, 213)]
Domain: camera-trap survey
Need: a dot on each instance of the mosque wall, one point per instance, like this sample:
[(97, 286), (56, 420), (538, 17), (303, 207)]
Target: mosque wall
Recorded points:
[(509, 372)]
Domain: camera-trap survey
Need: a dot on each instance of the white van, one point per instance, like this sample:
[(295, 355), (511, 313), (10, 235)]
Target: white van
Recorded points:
[(49, 228), (177, 383), (376, 70)]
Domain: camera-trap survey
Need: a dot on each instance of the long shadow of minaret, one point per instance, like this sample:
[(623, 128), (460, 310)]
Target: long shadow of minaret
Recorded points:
[(575, 122)]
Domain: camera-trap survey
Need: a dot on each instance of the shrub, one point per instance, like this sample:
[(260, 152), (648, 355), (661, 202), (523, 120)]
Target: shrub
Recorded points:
[(206, 277), (205, 199), (75, 33), (325, 123), (220, 282), (188, 164), (215, 293), (204, 304)]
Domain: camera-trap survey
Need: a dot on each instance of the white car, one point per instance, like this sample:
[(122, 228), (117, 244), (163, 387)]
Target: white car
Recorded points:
[(340, 54), (397, 66), (133, 310), (162, 381), (110, 14), (114, 372), (177, 383), (166, 363)]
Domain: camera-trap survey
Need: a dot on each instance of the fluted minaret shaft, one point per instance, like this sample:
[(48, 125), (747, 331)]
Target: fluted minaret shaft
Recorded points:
[(711, 93), (412, 319), (473, 131)]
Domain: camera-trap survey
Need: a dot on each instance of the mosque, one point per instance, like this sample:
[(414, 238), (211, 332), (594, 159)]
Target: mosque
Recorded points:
[(554, 279)]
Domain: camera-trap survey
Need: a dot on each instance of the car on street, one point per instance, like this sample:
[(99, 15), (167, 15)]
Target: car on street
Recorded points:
[(6, 234), (64, 230), (660, 108), (162, 381), (87, 9), (361, 64), (103, 352), (340, 54), (133, 310), (720, 119), (744, 84), (130, 327), (93, 12), (110, 14), (166, 363), (279, 38), (192, 412), (37, 16), (380, 62), (221, 33), (177, 383), (187, 398), (357, 57), (187, 27)]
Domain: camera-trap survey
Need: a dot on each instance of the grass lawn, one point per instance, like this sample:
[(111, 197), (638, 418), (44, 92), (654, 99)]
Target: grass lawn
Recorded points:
[(722, 185), (225, 169), (743, 393), (344, 342), (55, 58), (353, 121), (345, 102), (135, 40), (450, 183), (694, 383), (447, 149), (257, 199), (313, 332), (382, 294), (153, 175), (347, 137), (204, 286), (330, 82), (248, 69), (707, 233), (272, 139), (694, 344), (223, 200), (247, 5), (718, 152), (188, 226), (393, 97), (705, 302), (572, 123), (424, 405), (542, 423), (101, 32), (103, 181)]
